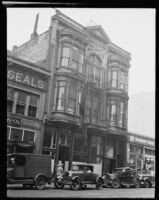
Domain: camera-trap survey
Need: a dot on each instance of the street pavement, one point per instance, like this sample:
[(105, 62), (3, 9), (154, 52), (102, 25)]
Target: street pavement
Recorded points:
[(90, 192)]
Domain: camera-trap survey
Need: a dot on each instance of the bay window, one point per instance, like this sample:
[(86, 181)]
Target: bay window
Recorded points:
[(114, 79), (72, 99), (121, 114), (113, 113), (61, 95), (65, 58), (75, 57)]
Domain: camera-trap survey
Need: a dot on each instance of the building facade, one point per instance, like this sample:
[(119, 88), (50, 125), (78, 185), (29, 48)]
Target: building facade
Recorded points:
[(84, 113), (141, 151), (26, 90)]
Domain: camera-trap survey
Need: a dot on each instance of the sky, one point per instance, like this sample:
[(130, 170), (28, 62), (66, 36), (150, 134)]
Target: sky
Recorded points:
[(132, 29)]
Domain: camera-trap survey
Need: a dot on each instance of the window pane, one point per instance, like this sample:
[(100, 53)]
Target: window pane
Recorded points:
[(65, 61), (61, 92), (29, 135), (114, 75), (20, 109), (32, 111), (33, 100), (16, 134), (22, 97), (60, 104), (66, 52)]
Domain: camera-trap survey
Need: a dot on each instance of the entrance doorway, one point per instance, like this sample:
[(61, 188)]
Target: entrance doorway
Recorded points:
[(64, 156)]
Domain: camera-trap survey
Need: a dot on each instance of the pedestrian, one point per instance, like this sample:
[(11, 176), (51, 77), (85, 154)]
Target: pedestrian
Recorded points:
[(59, 170)]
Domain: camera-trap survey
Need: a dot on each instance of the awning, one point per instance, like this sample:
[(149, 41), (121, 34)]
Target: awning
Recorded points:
[(25, 144)]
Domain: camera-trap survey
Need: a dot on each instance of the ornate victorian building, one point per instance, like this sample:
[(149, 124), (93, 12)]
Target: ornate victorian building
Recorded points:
[(85, 108)]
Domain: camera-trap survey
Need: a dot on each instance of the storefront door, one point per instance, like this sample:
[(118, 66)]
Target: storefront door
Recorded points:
[(64, 156)]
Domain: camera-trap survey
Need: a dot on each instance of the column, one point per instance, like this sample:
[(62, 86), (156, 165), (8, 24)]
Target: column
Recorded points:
[(71, 150)]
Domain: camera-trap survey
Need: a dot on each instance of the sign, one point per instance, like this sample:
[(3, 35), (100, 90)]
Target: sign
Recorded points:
[(26, 79), (13, 121), (141, 140)]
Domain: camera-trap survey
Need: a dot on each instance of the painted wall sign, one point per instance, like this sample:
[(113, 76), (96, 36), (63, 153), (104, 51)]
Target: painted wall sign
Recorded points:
[(26, 79), (12, 121), (141, 140)]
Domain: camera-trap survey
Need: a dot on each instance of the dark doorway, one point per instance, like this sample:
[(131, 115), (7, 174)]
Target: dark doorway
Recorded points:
[(63, 153), (112, 164)]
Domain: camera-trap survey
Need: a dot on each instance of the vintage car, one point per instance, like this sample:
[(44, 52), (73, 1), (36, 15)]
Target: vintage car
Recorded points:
[(79, 177), (29, 170), (147, 179), (122, 177)]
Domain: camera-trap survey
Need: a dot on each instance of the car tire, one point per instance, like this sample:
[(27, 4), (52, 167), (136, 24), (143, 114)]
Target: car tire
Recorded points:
[(58, 184), (147, 184), (40, 183), (137, 183), (76, 184), (99, 184), (115, 183)]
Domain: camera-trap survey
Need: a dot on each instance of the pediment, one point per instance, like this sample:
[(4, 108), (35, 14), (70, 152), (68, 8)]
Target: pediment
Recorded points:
[(99, 31)]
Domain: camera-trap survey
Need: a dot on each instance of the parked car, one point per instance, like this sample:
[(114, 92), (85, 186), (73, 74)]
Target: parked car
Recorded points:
[(79, 177), (122, 177), (147, 179), (29, 170)]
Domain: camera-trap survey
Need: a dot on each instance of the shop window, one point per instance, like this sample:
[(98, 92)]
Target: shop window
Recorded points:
[(32, 110), (132, 148), (16, 134), (28, 136), (80, 158), (96, 145), (61, 95), (65, 58), (21, 103), (80, 143), (96, 160), (10, 99), (109, 151)]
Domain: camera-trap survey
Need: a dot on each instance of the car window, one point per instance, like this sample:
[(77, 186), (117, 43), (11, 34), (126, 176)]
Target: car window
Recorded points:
[(20, 160)]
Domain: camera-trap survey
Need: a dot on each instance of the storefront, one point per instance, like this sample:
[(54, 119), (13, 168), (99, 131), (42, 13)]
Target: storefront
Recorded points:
[(26, 89), (140, 151)]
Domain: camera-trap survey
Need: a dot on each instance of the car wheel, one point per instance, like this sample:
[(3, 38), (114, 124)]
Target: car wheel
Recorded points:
[(137, 183), (27, 186), (115, 183), (58, 184), (147, 184), (40, 182), (99, 184), (76, 184)]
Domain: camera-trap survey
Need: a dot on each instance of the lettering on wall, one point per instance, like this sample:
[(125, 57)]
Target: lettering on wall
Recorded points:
[(12, 121), (26, 79)]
